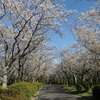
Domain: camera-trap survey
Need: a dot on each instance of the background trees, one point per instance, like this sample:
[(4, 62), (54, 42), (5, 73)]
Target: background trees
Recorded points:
[(82, 61), (75, 67), (25, 26)]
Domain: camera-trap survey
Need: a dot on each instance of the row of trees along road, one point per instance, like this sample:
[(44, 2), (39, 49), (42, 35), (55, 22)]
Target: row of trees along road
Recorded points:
[(24, 27), (81, 61)]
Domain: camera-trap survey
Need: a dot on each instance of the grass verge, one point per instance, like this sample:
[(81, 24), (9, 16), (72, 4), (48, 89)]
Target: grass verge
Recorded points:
[(82, 96)]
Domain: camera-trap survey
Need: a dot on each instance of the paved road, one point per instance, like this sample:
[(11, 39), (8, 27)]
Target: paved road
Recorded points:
[(55, 92)]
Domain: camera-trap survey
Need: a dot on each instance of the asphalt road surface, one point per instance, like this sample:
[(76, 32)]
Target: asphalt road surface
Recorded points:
[(55, 92)]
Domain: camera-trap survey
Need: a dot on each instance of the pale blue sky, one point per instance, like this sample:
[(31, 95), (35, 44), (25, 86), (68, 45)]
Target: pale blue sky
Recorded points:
[(80, 6)]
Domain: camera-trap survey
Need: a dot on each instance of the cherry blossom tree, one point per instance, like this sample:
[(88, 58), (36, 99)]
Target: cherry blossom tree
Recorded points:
[(24, 25), (77, 65), (82, 64), (87, 33), (87, 29), (39, 64)]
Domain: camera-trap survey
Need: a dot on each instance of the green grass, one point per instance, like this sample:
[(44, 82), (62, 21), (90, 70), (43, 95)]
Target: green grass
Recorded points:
[(86, 94), (69, 88), (83, 96), (35, 95)]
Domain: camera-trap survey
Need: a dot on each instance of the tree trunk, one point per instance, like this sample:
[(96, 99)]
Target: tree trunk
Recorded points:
[(75, 79), (4, 84)]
